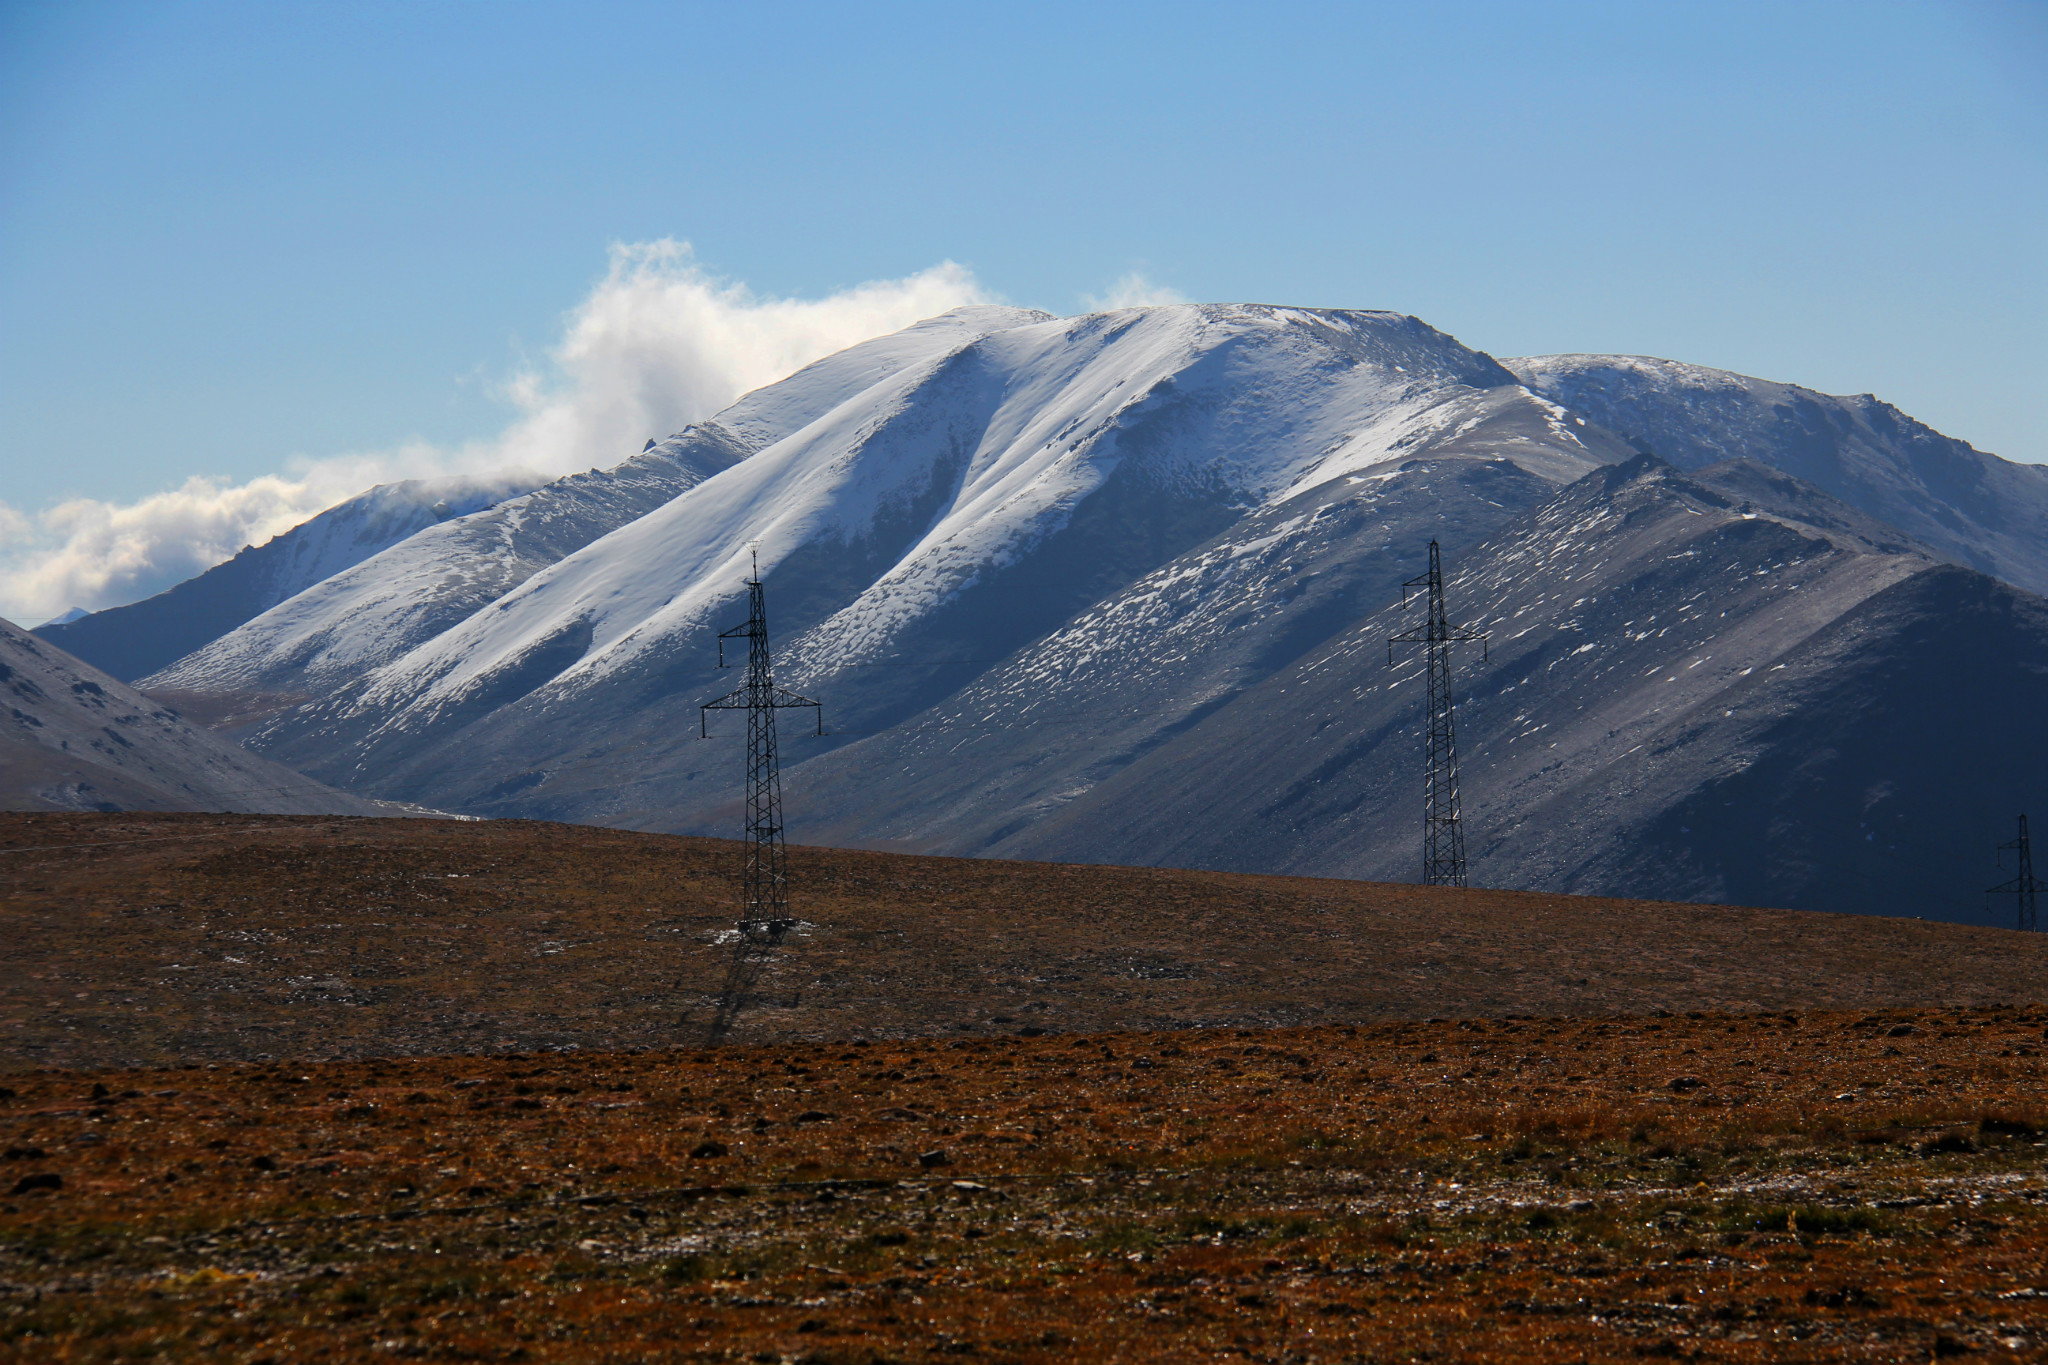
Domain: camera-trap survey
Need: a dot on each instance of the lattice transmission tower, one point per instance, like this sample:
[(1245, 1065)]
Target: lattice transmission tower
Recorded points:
[(1443, 829), (764, 898), (2025, 886)]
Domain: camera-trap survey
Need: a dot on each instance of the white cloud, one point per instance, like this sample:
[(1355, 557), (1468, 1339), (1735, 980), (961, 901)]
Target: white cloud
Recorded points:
[(1134, 291), (90, 553), (659, 343)]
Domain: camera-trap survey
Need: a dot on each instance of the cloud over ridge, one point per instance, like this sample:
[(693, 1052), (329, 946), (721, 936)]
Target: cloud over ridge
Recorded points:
[(1134, 290), (658, 343)]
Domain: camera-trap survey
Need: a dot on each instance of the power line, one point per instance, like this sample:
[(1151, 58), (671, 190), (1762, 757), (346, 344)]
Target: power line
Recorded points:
[(905, 663), (1443, 832), (991, 727)]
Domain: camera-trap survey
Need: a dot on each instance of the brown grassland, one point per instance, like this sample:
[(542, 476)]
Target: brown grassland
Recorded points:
[(1255, 1119)]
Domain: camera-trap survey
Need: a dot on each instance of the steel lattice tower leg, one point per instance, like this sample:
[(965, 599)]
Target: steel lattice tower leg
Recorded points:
[(2026, 886), (765, 902), (1443, 829)]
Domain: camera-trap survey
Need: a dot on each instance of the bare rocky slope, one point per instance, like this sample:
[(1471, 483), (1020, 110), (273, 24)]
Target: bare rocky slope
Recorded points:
[(74, 738)]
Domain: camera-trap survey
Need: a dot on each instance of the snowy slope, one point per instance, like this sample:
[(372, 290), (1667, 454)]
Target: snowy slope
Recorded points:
[(73, 738), (1721, 687), (1131, 672), (963, 505), (340, 629), (1973, 508), (960, 467), (140, 638)]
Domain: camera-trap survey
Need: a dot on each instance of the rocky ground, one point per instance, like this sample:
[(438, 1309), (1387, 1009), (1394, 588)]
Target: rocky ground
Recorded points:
[(1832, 1186), (1524, 1129)]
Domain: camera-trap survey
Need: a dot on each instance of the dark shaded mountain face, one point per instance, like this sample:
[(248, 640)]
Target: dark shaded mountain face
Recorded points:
[(74, 738), (1967, 506), (1909, 733), (134, 640), (1694, 692)]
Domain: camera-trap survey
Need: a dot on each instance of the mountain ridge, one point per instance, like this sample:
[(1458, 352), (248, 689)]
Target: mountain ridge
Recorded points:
[(955, 503), (1974, 508), (392, 603), (139, 638)]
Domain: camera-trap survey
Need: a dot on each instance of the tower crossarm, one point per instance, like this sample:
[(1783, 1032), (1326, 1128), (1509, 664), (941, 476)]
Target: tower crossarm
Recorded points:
[(1450, 635), (742, 699), (747, 632)]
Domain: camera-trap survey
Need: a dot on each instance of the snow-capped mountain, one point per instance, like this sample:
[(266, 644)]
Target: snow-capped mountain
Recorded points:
[(1116, 587), (140, 638), (1970, 507), (959, 508), (74, 738), (370, 614)]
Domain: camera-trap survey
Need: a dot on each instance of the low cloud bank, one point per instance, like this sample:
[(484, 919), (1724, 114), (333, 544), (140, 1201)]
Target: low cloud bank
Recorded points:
[(659, 343)]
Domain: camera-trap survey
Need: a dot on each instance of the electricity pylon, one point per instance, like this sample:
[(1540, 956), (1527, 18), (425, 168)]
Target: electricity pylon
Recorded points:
[(1443, 830), (764, 900), (2023, 887)]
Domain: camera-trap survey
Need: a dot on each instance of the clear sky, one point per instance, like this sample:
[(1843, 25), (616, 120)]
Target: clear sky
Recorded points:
[(235, 234)]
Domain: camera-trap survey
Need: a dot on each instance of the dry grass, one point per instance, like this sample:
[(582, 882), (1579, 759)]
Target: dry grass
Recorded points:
[(148, 939)]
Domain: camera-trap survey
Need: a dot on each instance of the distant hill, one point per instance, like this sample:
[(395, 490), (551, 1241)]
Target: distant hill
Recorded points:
[(75, 738), (949, 511)]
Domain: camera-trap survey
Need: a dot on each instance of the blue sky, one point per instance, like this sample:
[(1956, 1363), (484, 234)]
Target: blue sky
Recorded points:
[(235, 235)]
